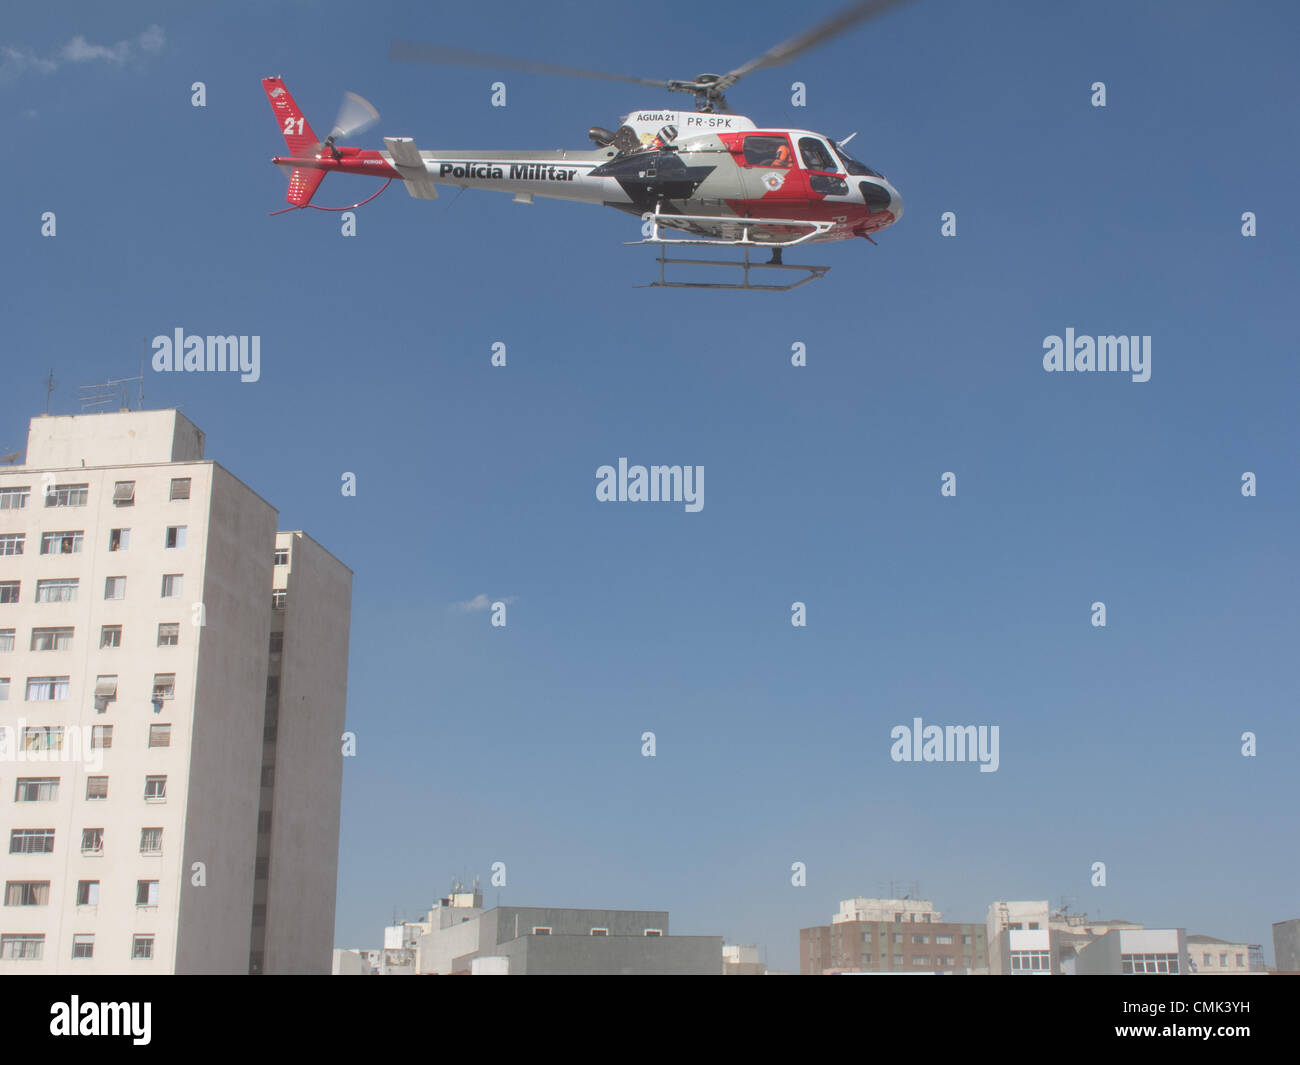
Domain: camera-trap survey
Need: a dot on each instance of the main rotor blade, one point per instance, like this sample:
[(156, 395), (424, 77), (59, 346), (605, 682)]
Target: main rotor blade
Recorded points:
[(413, 52), (823, 31)]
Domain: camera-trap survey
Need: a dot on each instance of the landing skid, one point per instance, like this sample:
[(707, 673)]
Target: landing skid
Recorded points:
[(745, 285), (807, 231)]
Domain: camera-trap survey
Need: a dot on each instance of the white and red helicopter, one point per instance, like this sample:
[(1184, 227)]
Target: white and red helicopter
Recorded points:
[(715, 176)]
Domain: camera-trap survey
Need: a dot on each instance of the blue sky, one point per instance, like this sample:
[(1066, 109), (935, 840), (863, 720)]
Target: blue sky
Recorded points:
[(522, 745)]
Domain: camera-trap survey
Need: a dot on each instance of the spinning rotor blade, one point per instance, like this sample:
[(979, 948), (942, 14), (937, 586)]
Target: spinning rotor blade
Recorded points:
[(811, 38), (413, 52), (355, 115)]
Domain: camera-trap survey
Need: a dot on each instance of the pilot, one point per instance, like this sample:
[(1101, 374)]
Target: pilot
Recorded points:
[(783, 157)]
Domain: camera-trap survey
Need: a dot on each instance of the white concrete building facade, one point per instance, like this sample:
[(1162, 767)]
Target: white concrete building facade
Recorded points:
[(170, 765)]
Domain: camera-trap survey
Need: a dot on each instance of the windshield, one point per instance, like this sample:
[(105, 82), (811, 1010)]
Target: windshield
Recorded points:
[(852, 165)]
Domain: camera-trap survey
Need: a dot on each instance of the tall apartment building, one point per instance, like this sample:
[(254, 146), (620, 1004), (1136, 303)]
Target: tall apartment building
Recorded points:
[(892, 936), (173, 678)]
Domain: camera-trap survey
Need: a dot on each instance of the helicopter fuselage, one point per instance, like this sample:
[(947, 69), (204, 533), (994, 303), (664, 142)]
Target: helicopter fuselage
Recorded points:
[(710, 167)]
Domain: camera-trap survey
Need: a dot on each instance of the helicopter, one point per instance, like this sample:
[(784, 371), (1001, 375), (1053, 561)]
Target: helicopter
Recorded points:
[(702, 178)]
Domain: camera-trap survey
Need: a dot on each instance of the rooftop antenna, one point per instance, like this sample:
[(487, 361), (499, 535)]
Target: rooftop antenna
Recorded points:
[(101, 396), (49, 390)]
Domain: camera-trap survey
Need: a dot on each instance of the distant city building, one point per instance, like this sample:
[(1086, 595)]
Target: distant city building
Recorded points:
[(742, 961), (173, 676), (892, 936), (1286, 945), (1135, 952), (459, 936), (1019, 939), (1220, 957)]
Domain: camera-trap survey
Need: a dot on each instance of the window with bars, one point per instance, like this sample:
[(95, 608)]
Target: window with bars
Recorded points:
[(151, 840), (22, 947), (83, 945), (31, 841), (12, 543), (141, 948)]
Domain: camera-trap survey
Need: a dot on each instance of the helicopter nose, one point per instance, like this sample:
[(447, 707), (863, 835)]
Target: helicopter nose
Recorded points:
[(880, 195)]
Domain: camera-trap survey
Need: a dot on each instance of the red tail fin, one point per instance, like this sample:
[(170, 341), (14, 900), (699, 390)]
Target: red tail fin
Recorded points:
[(298, 138), (298, 135)]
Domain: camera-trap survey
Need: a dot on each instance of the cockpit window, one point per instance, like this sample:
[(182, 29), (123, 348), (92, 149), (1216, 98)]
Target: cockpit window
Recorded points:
[(767, 151), (853, 166), (815, 155)]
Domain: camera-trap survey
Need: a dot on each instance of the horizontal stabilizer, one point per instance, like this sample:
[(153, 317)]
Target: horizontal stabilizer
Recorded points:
[(407, 161)]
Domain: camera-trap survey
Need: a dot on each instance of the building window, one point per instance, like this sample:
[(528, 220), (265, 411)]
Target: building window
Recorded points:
[(97, 787), (942, 940), (151, 840), (898, 937), (105, 691), (277, 642), (27, 893), (898, 959), (600, 931), (9, 591), (31, 841), (119, 540), (67, 495), (169, 634), (52, 639), (114, 587), (12, 543), (1240, 960), (124, 494), (1149, 963), (1206, 959), (268, 776), (965, 941), (263, 822), (160, 735), (541, 930), (101, 737), (171, 586), (175, 536), (14, 498), (21, 947), (654, 931), (87, 892), (146, 894), (281, 556), (63, 590), (36, 789), (4, 689), (43, 738), (920, 959), (866, 959), (279, 599), (164, 686), (261, 868), (920, 939), (61, 543), (83, 945), (1033, 926), (141, 948), (7, 639), (180, 488), (155, 789), (92, 841)]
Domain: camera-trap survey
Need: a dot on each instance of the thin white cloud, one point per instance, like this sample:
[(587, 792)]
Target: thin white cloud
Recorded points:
[(483, 602), (14, 62)]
